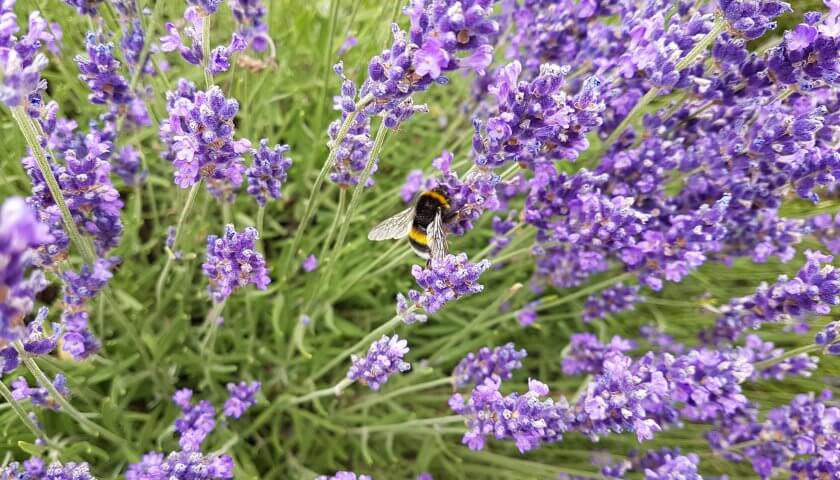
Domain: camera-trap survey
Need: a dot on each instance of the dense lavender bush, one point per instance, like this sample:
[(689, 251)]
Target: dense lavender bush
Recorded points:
[(637, 244)]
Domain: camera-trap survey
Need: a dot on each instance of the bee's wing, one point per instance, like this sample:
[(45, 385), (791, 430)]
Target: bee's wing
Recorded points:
[(437, 238), (395, 227)]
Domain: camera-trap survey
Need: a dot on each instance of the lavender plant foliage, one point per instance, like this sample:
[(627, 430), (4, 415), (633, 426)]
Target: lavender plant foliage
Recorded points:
[(232, 262), (384, 358), (498, 363)]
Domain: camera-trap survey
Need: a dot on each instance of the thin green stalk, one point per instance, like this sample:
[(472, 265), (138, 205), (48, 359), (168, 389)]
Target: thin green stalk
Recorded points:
[(402, 391), (790, 353), (205, 47), (699, 49), (312, 202), (260, 219), (328, 59), (409, 425), (545, 470), (354, 202), (21, 413), (92, 427), (356, 347), (335, 391), (211, 324), (29, 131), (342, 198), (191, 196)]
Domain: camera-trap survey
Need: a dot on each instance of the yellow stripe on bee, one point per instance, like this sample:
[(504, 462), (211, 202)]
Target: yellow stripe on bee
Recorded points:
[(418, 236), (440, 198)]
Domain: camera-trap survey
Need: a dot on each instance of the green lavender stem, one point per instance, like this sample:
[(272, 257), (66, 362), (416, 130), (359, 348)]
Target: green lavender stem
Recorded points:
[(402, 391), (21, 413), (409, 425), (790, 353), (335, 391), (161, 282), (693, 54), (29, 131), (312, 202), (390, 324), (211, 324), (89, 425), (342, 198)]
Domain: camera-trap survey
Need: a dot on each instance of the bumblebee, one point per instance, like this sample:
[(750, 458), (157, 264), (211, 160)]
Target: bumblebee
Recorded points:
[(423, 223)]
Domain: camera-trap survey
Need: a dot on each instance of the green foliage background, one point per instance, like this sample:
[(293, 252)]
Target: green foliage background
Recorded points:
[(151, 349)]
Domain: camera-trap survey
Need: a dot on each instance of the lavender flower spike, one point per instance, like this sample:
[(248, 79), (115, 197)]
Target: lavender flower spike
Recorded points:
[(498, 363), (268, 172), (242, 397), (232, 262), (35, 469), (344, 476), (384, 358), (446, 280)]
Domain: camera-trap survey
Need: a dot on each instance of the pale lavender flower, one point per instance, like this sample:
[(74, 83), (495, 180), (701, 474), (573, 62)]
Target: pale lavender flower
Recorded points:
[(196, 422), (184, 465), (251, 25), (232, 262), (384, 358), (406, 313), (35, 469), (268, 172), (683, 467), (79, 289), (310, 263), (498, 363), (242, 397), (586, 354), (446, 280), (39, 395), (100, 70)]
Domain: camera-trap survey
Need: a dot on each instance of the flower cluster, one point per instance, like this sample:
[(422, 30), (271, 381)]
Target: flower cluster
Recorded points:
[(384, 358), (827, 231), (232, 262), (613, 300), (446, 280), (36, 469), (344, 476), (79, 289), (586, 354), (199, 135), (526, 419), (196, 422), (498, 363), (181, 466), (20, 235), (268, 171), (39, 395), (100, 70), (21, 62), (814, 290), (242, 397), (251, 25)]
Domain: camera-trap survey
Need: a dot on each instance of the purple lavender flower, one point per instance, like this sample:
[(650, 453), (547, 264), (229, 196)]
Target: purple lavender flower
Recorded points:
[(34, 469), (348, 43), (208, 7), (344, 476), (85, 7), (753, 18), (20, 61), (439, 33), (536, 121), (20, 234), (352, 154), (384, 358), (827, 337), (196, 422), (184, 465), (268, 172), (414, 183), (586, 354), (619, 399), (498, 363), (310, 263), (250, 23), (525, 419), (406, 313), (242, 397), (79, 289), (808, 56), (39, 395), (610, 301), (708, 383), (232, 262), (100, 70), (827, 231), (199, 137), (446, 280), (814, 290), (683, 467), (220, 56), (527, 315), (194, 53), (128, 167), (759, 351)]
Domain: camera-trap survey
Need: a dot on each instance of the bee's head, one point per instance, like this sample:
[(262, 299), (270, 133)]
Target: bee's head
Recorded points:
[(443, 190)]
